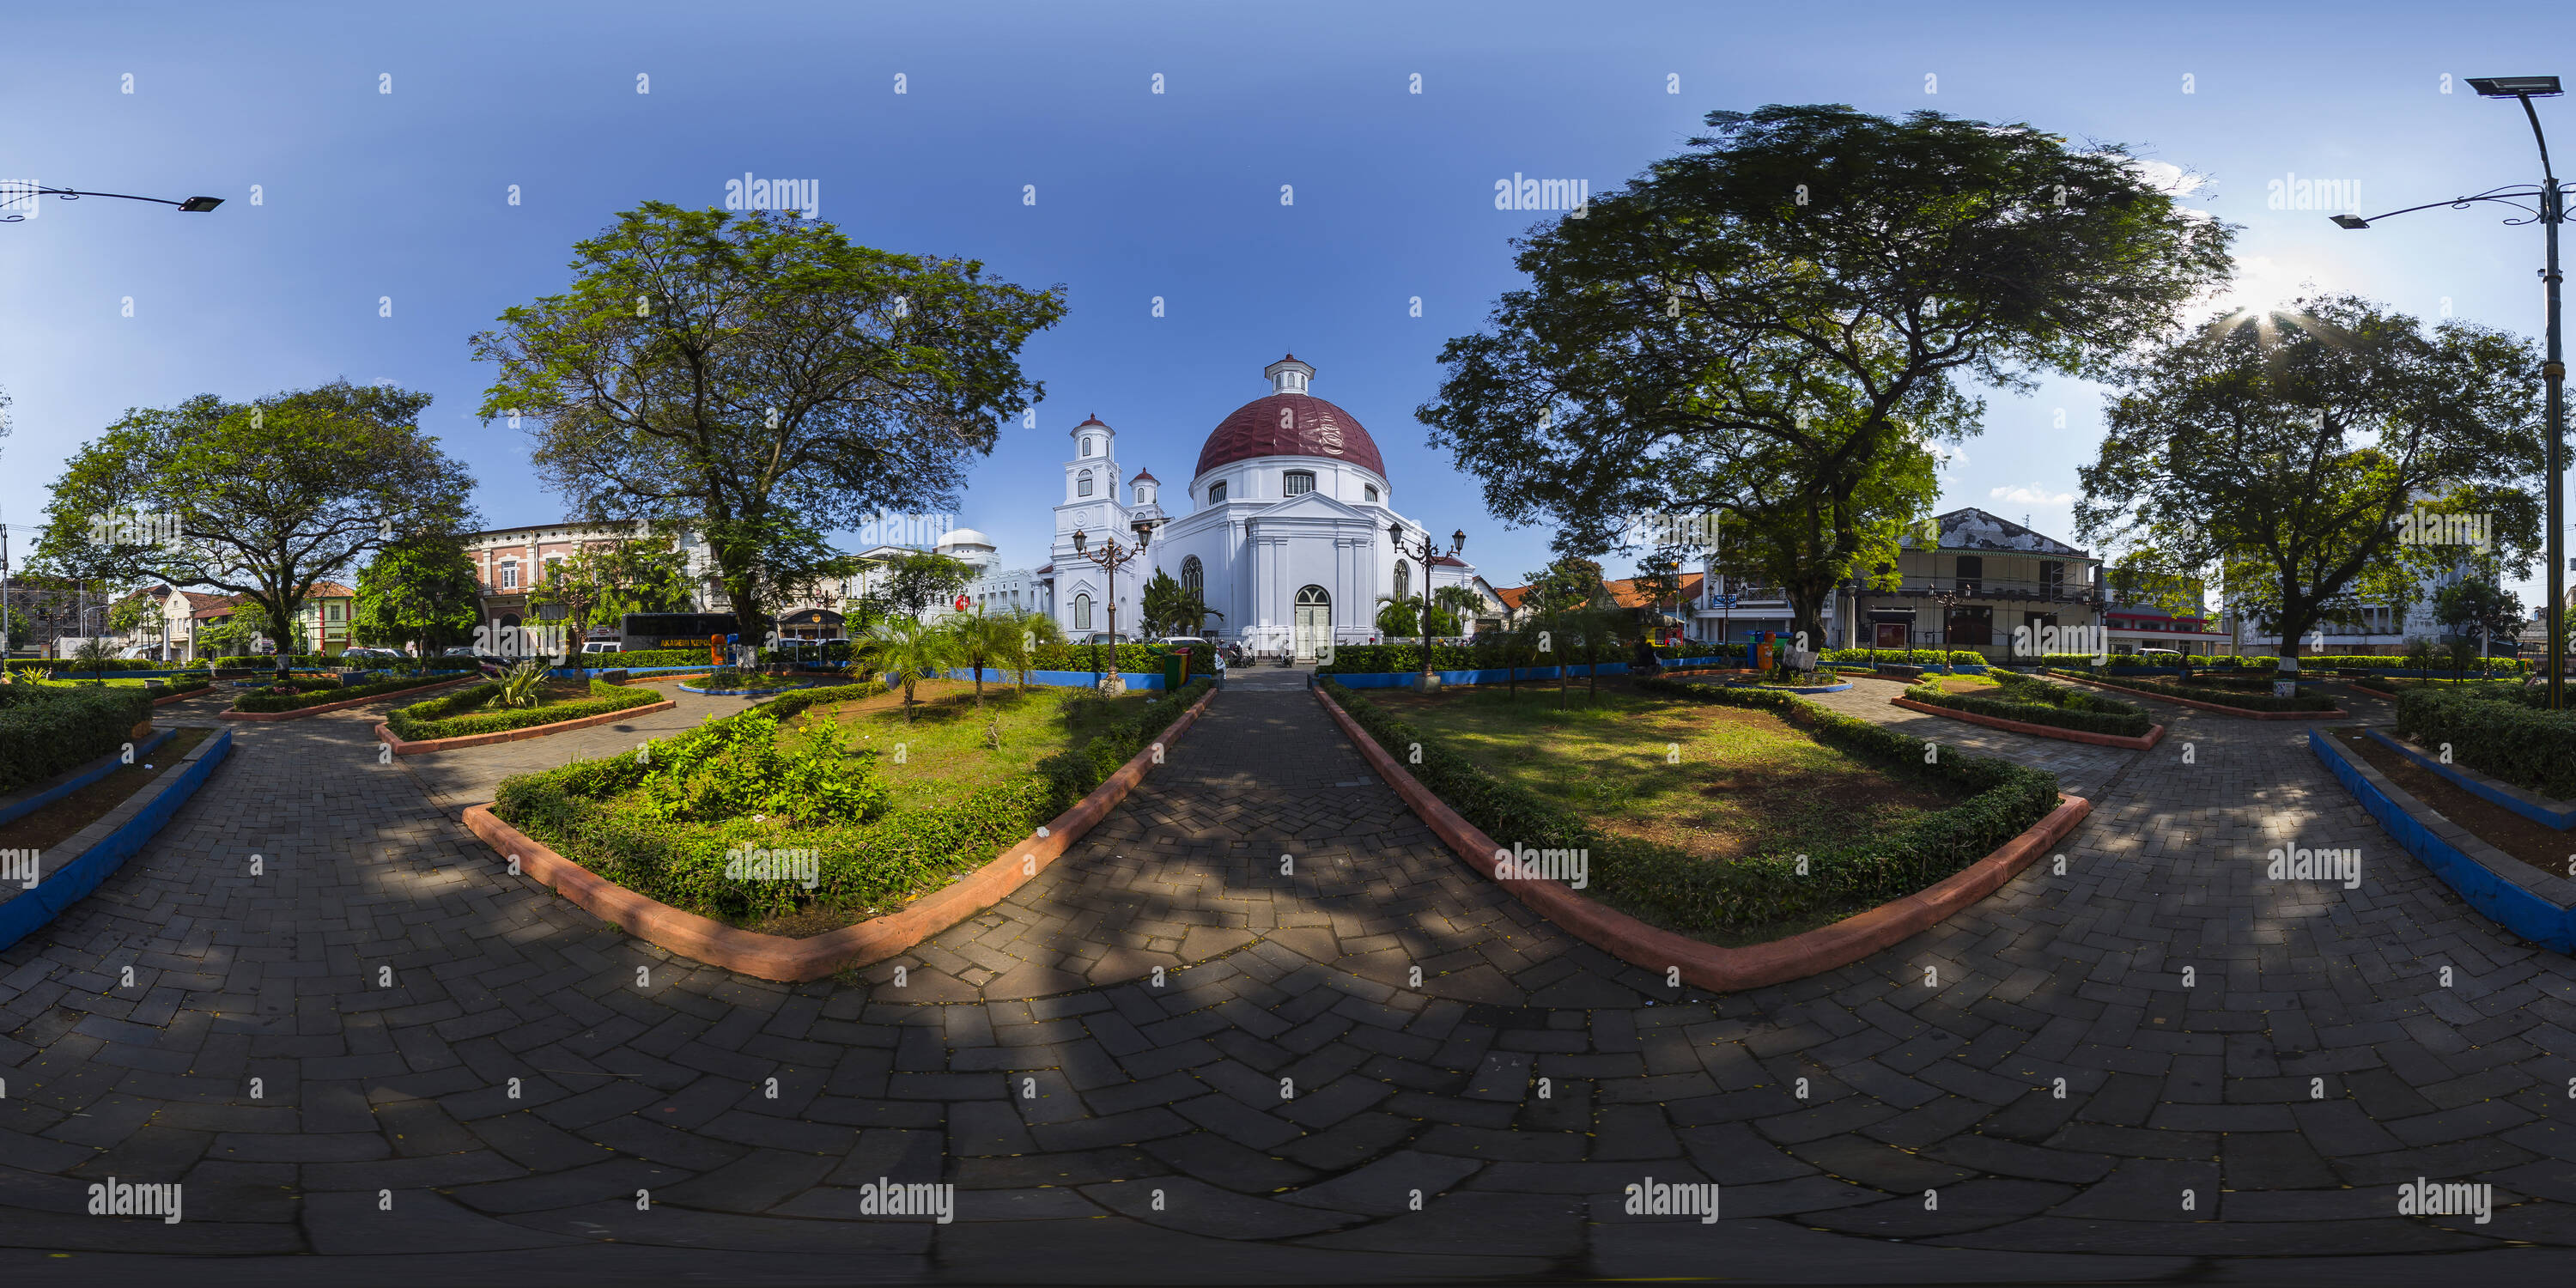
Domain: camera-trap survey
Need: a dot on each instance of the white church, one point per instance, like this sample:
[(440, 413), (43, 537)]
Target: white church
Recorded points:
[(1282, 529)]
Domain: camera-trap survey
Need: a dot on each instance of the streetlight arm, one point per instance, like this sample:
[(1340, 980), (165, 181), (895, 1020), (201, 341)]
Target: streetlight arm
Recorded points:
[(2537, 137), (2499, 196)]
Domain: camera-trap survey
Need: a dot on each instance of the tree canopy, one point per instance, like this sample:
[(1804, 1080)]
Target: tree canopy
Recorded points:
[(260, 499), (760, 378), (1777, 323), (421, 590), (2282, 450)]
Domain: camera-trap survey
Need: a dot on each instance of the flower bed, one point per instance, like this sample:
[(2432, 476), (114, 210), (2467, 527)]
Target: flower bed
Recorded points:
[(2502, 733), (662, 826), (468, 711), (2217, 700), (1678, 891), (45, 730), (2037, 702), (254, 705)]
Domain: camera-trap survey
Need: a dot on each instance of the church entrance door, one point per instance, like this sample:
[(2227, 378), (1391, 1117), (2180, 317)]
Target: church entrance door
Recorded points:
[(1314, 622)]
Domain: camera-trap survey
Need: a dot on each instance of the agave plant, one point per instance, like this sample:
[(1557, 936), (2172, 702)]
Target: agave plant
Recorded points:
[(519, 684)]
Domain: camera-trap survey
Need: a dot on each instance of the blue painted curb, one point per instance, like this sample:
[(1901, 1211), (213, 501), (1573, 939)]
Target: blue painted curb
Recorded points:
[(2531, 805), (1069, 679), (67, 885), (2504, 902), (107, 764)]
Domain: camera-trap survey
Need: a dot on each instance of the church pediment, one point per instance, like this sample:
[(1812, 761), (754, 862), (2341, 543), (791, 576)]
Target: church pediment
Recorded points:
[(1313, 506)]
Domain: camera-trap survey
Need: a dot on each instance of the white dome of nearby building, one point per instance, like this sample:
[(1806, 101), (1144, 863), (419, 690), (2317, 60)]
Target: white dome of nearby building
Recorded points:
[(968, 545)]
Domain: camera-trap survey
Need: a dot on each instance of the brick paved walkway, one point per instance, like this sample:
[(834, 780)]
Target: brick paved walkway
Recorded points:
[(1104, 1130)]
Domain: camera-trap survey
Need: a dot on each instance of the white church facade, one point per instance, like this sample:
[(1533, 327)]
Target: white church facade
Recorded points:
[(1282, 528)]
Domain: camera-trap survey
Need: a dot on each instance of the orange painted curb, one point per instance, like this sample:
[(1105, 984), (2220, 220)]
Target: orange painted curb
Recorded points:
[(426, 746), (2155, 732), (790, 960), (301, 712), (2331, 713), (1722, 970)]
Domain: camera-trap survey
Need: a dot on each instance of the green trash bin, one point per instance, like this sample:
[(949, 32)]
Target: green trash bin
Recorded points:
[(1176, 670)]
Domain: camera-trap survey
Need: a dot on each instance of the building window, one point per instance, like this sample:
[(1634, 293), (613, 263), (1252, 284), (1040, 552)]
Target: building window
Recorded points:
[(1368, 492), (2053, 576), (1972, 569), (1216, 494), (335, 610), (1087, 441), (1297, 482), (1082, 486), (509, 574), (1193, 575), (1082, 612)]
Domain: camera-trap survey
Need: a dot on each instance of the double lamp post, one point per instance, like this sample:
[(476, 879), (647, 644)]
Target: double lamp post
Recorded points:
[(2551, 212), (1111, 556)]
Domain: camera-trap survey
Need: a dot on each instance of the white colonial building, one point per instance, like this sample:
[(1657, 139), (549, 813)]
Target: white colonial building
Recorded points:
[(1282, 529)]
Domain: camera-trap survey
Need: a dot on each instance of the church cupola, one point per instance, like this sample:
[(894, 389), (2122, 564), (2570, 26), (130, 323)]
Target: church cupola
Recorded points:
[(1092, 439), (1145, 483), (1288, 376)]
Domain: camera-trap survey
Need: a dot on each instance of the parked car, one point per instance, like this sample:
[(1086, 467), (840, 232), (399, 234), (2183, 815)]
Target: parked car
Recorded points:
[(602, 646), (1184, 641), (485, 656), (371, 657)]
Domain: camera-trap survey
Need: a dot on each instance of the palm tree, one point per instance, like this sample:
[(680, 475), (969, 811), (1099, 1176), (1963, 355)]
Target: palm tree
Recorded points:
[(907, 647), (1461, 604), (1028, 630), (1168, 607), (979, 641), (1397, 618)]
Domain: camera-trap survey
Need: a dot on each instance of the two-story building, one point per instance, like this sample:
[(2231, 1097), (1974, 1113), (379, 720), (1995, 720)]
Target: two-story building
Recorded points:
[(1980, 578)]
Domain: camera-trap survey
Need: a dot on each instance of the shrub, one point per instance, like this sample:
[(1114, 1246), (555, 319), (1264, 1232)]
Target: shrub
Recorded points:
[(111, 664), (1676, 889), (2225, 698), (644, 657), (729, 678), (2038, 702), (1905, 656), (298, 701), (2499, 734), (46, 731), (583, 811), (1146, 658), (459, 714)]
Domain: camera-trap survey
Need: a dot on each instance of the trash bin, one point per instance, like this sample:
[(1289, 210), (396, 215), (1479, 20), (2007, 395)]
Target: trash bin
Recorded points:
[(1176, 670)]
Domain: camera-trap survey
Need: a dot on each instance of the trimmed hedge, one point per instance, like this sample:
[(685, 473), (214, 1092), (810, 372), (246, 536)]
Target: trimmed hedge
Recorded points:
[(113, 664), (1904, 656), (1674, 889), (1495, 655), (2499, 734), (264, 702), (643, 657), (458, 714), (45, 731), (2212, 693), (860, 866), (2038, 702)]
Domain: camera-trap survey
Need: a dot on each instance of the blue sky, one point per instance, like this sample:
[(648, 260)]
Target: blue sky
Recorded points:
[(366, 195)]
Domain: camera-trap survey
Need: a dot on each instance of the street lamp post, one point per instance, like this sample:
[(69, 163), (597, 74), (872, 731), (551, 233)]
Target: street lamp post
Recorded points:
[(14, 195), (1425, 551), (1110, 556), (2552, 212)]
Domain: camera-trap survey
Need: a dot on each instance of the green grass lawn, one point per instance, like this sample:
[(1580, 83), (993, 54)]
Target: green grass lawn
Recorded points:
[(1747, 782), (111, 682), (945, 747)]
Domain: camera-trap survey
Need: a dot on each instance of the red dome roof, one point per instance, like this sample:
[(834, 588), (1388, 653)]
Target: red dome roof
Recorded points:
[(1312, 427)]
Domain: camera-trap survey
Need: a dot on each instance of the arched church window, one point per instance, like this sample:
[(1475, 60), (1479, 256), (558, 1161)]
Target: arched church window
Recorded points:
[(1082, 485), (1082, 612), (1193, 575), (1087, 441), (1297, 482), (1403, 581), (1216, 494), (1369, 492)]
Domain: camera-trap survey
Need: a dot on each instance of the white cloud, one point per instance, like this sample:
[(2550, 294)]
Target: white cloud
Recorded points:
[(2036, 494)]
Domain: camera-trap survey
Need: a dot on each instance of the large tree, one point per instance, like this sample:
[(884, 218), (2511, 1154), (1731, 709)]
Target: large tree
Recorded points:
[(422, 591), (261, 499), (763, 380), (917, 581), (2282, 449), (1779, 319)]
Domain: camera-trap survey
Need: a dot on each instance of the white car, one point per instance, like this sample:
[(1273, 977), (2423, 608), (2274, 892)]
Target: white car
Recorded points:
[(1184, 641)]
